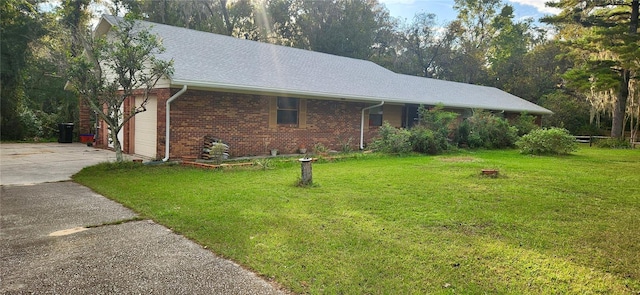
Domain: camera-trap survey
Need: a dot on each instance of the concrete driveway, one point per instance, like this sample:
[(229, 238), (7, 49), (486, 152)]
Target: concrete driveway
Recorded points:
[(32, 163), (58, 237)]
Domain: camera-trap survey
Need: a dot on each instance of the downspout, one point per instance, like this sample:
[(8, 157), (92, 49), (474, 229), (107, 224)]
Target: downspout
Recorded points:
[(168, 121), (362, 123)]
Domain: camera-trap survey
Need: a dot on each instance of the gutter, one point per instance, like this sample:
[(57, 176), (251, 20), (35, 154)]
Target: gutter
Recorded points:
[(533, 109), (238, 88), (168, 121), (362, 123)]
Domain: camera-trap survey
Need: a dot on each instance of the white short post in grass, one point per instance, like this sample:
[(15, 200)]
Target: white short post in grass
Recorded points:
[(307, 177)]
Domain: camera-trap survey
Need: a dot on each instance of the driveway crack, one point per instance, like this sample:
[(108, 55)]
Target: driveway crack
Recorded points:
[(116, 222)]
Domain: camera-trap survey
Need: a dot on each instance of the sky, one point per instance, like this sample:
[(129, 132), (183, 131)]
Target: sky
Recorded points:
[(443, 9), (406, 9)]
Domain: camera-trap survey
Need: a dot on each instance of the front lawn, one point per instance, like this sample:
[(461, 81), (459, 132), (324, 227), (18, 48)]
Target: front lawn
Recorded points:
[(403, 225)]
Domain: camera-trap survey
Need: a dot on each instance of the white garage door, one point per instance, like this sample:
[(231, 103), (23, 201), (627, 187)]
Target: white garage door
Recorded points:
[(146, 129)]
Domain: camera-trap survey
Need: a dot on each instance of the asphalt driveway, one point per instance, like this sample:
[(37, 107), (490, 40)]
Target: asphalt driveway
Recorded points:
[(58, 237)]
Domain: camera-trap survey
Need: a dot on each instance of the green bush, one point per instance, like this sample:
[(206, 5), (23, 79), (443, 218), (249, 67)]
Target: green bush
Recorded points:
[(485, 130), (346, 145), (525, 124), (474, 140), (547, 141), (392, 140), (437, 119), (462, 134), (319, 148), (613, 143), (426, 141), (431, 134)]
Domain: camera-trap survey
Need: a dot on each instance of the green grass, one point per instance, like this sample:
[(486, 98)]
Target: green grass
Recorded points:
[(409, 225)]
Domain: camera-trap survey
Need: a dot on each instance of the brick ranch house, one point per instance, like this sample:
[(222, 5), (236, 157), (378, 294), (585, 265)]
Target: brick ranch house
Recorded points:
[(258, 96)]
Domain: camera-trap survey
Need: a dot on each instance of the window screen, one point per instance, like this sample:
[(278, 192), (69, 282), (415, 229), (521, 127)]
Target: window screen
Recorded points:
[(288, 110), (375, 116)]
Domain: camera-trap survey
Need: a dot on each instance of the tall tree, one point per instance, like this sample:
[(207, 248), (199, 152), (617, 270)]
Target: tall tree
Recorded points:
[(535, 74), (114, 68), (603, 36), (278, 22), (474, 30), (343, 27), (420, 46), (569, 112), (47, 101), (75, 16), (232, 18), (340, 27), (507, 51)]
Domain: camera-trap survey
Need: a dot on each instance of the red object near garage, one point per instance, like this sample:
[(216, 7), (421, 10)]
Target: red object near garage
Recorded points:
[(86, 138)]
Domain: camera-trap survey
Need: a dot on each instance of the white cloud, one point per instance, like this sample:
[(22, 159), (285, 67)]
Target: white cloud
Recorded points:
[(539, 5), (48, 6)]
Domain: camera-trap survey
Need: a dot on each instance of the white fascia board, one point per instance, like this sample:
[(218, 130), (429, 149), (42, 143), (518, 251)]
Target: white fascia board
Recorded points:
[(272, 91), (334, 96)]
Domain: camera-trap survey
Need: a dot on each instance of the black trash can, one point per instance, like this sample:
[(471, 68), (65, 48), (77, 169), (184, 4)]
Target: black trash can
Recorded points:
[(66, 132)]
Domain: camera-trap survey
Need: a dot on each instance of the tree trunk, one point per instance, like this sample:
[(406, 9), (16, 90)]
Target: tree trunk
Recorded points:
[(620, 106), (617, 128), (117, 147), (635, 12), (306, 171), (634, 122), (225, 17)]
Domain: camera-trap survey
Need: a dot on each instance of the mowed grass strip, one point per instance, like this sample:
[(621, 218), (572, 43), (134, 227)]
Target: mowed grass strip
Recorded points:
[(409, 225)]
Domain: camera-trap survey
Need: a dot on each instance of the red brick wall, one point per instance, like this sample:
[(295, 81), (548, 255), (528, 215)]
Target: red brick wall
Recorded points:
[(84, 120), (162, 95), (242, 121), (103, 134)]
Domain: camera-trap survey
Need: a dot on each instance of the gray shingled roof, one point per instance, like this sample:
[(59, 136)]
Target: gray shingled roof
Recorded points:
[(217, 62)]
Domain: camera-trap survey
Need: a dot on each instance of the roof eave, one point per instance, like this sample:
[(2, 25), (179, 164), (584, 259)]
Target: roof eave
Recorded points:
[(272, 91), (327, 95)]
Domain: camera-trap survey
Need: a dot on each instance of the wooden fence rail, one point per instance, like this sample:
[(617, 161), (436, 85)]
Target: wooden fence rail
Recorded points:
[(590, 139)]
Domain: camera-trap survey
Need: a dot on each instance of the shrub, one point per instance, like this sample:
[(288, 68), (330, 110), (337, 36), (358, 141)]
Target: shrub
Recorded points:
[(427, 141), (319, 148), (218, 151), (474, 140), (437, 119), (263, 163), (485, 130), (525, 124), (346, 145), (613, 143), (462, 134), (392, 140), (547, 141), (431, 134)]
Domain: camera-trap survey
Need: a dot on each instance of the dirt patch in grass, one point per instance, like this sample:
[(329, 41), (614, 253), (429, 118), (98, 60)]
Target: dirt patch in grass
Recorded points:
[(460, 160)]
